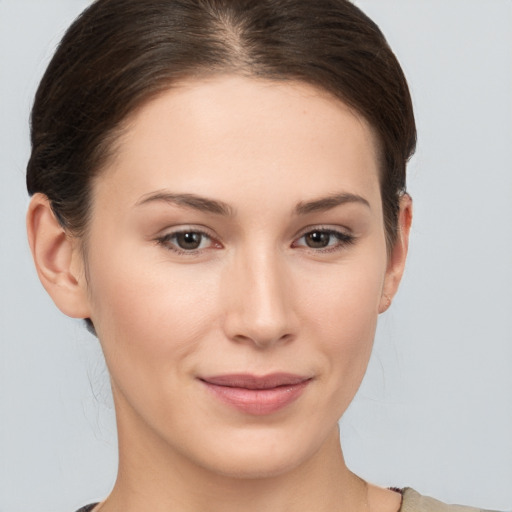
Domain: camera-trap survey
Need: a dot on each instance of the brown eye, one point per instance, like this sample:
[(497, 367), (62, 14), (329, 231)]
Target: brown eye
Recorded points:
[(318, 239), (324, 240), (189, 241)]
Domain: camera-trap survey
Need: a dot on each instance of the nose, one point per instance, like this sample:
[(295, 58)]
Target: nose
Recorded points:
[(258, 302)]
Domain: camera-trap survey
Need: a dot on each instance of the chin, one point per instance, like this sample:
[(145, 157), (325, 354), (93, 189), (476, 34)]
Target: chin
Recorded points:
[(250, 455), (258, 464)]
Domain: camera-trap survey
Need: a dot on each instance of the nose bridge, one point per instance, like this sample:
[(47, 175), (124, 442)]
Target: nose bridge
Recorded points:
[(259, 308)]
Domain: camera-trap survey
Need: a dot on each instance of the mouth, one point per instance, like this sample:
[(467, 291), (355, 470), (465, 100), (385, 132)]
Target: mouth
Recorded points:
[(257, 395)]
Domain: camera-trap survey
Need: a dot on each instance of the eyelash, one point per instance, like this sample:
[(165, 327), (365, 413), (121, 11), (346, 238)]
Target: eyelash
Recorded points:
[(165, 241), (343, 240)]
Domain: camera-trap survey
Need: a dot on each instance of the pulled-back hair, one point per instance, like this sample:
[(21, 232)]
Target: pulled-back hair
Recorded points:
[(118, 54)]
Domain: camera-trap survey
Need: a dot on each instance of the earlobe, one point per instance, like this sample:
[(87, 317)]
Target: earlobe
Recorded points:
[(398, 254), (57, 259)]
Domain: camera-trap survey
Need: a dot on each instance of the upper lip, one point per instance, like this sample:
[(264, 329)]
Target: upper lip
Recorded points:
[(248, 381)]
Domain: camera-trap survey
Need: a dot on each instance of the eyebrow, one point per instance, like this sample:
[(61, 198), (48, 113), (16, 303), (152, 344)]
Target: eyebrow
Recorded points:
[(329, 202), (214, 206), (202, 204)]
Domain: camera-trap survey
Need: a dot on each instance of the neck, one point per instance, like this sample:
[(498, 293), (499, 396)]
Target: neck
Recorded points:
[(154, 477)]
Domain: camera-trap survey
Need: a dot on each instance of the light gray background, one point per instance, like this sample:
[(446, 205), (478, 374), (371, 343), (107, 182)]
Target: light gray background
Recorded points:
[(435, 410)]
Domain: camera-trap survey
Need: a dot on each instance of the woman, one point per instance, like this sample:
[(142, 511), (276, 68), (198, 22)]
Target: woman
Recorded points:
[(219, 190)]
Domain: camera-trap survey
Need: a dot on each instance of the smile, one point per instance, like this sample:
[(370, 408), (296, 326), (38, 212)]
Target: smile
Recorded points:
[(257, 395)]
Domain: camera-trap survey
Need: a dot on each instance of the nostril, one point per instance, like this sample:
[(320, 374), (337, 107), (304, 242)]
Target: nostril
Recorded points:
[(263, 340)]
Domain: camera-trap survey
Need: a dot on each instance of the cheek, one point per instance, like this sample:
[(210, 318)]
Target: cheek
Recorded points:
[(345, 300), (343, 311), (150, 324), (153, 312), (350, 338)]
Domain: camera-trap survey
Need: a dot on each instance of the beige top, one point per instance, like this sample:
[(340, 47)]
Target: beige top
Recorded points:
[(412, 501)]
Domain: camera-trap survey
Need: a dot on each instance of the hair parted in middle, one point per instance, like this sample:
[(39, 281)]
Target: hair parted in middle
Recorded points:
[(119, 54)]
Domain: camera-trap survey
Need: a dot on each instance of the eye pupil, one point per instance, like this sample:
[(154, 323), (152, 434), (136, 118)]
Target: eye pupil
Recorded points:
[(188, 241), (317, 239)]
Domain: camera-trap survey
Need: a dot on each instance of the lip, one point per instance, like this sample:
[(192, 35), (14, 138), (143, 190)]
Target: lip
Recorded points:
[(257, 395)]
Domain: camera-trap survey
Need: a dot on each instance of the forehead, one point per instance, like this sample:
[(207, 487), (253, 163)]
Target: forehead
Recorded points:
[(220, 134)]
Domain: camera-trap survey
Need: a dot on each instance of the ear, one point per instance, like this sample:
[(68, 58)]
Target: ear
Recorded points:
[(57, 258), (398, 255)]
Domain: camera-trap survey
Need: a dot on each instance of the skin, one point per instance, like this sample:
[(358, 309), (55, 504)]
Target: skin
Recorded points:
[(253, 298)]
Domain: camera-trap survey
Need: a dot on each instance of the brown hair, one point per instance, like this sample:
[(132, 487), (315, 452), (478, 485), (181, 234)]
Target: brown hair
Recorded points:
[(118, 54)]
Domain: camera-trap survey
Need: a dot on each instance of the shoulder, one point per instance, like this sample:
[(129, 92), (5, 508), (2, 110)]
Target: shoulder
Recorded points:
[(413, 501)]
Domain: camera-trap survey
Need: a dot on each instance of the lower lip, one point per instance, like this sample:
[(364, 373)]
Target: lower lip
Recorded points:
[(258, 402)]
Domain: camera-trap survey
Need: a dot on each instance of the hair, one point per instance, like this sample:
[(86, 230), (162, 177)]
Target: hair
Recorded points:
[(119, 54)]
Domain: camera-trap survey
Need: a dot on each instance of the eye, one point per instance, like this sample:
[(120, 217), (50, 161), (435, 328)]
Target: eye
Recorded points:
[(324, 239), (188, 240)]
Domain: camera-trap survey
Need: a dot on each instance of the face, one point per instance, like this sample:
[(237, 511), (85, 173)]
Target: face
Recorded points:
[(236, 263)]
